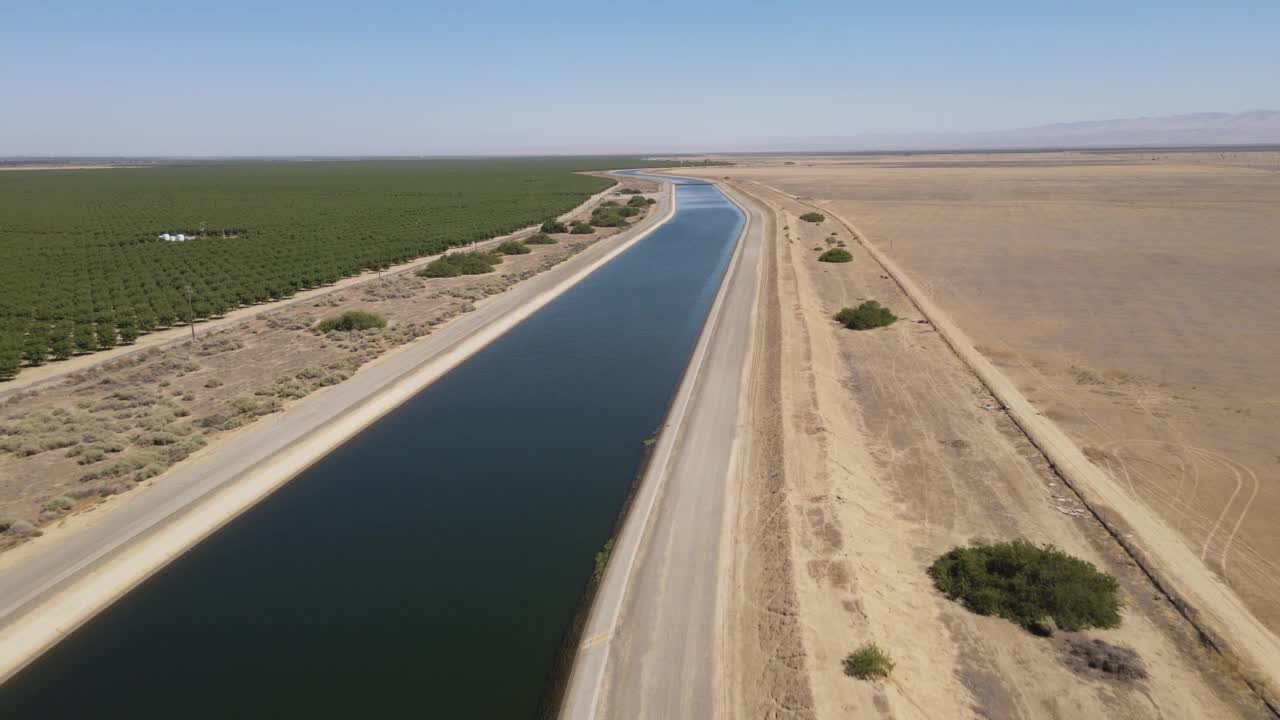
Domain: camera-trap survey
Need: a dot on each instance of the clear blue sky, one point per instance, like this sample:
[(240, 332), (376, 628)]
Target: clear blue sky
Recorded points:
[(107, 78)]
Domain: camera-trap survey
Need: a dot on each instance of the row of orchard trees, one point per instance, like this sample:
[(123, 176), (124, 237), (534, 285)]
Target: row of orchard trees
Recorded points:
[(96, 298)]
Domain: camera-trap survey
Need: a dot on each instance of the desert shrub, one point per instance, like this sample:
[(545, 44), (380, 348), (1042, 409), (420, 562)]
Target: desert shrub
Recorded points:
[(602, 559), (20, 447), (218, 344), (628, 211), (181, 451), (1114, 660), (148, 471), (835, 255), (244, 405), (1029, 585), (82, 493), (213, 383), (161, 438), (91, 455), (456, 264), (29, 442), (61, 503), (628, 191), (110, 489), (581, 228), (6, 523), (21, 528), (513, 247), (607, 217), (124, 466), (540, 238), (813, 217), (638, 202), (869, 314), (868, 662), (553, 226), (290, 388), (348, 321)]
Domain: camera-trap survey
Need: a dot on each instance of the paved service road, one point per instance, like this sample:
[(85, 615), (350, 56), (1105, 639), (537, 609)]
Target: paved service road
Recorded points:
[(648, 648)]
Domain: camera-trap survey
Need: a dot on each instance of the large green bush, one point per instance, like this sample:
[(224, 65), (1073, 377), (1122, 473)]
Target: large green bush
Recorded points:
[(835, 255), (553, 226), (813, 217), (869, 314), (513, 247), (868, 663), (539, 238), (1029, 585), (639, 201), (581, 228), (608, 217), (465, 263), (346, 322)]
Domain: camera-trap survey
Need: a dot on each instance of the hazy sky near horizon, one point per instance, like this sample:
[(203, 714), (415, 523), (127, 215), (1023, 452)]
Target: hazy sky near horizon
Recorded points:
[(251, 78)]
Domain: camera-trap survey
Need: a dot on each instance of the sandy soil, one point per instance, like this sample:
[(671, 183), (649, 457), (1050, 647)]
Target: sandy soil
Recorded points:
[(103, 431), (871, 454), (1133, 297)]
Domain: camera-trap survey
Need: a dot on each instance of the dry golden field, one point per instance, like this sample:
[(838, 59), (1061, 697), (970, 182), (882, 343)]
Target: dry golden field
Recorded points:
[(1133, 297), (869, 455)]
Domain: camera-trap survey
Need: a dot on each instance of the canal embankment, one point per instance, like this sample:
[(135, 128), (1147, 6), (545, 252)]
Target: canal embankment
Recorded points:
[(649, 645)]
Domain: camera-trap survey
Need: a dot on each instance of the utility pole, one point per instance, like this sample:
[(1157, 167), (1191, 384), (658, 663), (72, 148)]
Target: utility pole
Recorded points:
[(186, 290)]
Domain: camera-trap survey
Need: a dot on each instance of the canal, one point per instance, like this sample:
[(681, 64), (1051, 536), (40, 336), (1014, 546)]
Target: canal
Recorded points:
[(431, 566)]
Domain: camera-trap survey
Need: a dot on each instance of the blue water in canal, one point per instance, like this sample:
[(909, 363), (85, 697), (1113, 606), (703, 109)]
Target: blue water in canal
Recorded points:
[(431, 566)]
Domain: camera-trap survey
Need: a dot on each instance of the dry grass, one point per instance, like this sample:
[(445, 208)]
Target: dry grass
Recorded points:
[(1116, 661), (1131, 296)]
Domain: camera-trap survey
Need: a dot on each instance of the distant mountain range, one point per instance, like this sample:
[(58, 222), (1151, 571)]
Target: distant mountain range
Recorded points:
[(1255, 127)]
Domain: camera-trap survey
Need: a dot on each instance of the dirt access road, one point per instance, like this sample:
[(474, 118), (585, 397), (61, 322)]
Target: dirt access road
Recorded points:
[(651, 644), (66, 582)]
